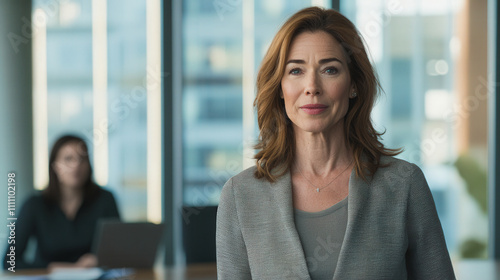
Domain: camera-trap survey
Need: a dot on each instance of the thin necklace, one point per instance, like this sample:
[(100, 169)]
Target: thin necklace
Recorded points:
[(320, 188)]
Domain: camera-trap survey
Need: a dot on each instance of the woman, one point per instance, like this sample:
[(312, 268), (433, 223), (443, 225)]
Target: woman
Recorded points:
[(326, 199), (63, 217)]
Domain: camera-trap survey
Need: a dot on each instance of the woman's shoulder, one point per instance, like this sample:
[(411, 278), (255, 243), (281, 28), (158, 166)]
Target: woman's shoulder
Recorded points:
[(245, 181), (397, 170), (248, 179), (390, 163), (34, 202), (105, 194), (35, 198), (245, 175)]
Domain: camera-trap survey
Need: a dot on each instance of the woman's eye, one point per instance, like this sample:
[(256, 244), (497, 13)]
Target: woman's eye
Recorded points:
[(295, 71), (331, 70)]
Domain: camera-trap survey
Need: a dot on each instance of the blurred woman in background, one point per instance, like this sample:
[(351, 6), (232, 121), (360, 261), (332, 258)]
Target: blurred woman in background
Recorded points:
[(63, 217)]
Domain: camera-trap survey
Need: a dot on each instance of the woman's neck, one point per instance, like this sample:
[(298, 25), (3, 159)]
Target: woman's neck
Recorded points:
[(321, 153), (71, 193), (71, 200)]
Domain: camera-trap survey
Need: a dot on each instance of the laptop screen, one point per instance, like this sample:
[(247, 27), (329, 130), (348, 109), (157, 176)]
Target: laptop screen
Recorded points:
[(132, 245)]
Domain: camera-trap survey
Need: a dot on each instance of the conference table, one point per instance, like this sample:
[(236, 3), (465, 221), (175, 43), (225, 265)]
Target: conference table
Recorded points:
[(206, 271)]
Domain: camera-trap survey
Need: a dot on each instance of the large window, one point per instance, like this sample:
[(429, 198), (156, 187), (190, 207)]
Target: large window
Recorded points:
[(223, 44), (435, 88), (97, 75)]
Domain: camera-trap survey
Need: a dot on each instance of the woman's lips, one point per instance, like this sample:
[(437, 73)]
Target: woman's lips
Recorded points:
[(313, 109)]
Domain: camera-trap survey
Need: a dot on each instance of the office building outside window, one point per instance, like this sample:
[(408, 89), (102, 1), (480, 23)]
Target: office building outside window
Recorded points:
[(223, 44), (435, 87)]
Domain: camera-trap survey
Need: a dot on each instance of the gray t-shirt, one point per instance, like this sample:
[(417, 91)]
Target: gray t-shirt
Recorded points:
[(321, 234)]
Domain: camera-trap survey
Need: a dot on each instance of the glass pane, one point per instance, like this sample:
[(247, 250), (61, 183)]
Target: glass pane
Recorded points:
[(212, 114), (127, 110), (70, 90), (213, 74), (416, 49), (69, 68)]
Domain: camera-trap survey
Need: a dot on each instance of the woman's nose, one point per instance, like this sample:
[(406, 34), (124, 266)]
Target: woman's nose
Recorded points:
[(312, 85)]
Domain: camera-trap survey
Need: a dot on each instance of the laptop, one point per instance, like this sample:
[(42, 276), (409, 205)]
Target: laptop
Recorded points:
[(132, 245)]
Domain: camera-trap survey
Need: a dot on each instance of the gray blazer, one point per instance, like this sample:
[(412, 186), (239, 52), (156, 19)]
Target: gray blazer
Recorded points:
[(393, 231)]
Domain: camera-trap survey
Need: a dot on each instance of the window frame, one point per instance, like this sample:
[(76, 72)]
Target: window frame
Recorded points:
[(494, 130)]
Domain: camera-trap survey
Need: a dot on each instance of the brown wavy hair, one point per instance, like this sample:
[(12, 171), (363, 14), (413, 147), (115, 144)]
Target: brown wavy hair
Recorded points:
[(276, 139)]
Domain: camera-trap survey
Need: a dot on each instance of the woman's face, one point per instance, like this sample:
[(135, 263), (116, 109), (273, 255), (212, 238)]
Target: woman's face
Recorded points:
[(316, 84), (71, 165)]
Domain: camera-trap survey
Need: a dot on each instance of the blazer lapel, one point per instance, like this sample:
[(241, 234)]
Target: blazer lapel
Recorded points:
[(358, 195), (282, 190)]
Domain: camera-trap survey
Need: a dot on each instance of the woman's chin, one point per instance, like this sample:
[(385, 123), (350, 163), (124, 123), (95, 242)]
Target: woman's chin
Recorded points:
[(313, 128), (75, 185)]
